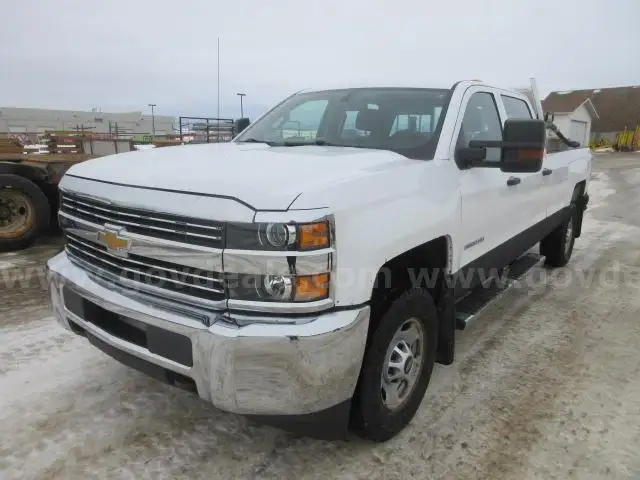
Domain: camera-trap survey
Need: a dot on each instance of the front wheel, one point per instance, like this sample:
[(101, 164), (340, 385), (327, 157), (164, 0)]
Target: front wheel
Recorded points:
[(397, 367)]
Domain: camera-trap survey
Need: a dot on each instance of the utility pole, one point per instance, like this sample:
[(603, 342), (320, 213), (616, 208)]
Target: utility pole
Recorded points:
[(153, 121), (241, 109), (218, 111)]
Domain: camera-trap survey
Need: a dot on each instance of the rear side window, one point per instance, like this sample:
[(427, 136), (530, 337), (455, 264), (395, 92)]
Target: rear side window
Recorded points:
[(516, 108)]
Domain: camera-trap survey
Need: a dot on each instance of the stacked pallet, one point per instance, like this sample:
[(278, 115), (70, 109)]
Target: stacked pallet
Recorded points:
[(10, 146), (166, 142), (63, 142)]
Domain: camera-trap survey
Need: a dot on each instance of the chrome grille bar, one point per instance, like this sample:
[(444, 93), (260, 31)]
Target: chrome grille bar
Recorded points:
[(153, 224), (143, 271), (133, 215), (154, 266)]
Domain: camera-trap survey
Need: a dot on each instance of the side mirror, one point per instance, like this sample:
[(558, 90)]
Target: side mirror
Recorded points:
[(469, 157), (523, 146)]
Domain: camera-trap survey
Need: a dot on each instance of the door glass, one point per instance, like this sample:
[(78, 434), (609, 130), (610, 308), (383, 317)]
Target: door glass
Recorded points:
[(481, 121), (516, 108)]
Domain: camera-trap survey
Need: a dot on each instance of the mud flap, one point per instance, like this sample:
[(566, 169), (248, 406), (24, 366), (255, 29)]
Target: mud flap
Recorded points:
[(447, 326), (581, 206)]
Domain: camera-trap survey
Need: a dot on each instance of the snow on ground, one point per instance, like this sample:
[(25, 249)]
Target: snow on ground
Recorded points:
[(545, 385), (600, 187)]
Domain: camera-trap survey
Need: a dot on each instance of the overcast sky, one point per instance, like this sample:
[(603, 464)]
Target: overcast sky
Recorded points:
[(121, 55)]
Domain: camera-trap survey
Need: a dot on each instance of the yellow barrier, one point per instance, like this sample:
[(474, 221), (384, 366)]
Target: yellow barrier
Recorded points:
[(628, 139)]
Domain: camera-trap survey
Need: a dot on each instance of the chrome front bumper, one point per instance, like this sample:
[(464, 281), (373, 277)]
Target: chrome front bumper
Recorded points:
[(273, 368)]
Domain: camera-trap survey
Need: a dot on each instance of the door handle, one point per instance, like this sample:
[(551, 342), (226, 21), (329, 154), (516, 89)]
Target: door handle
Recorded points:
[(546, 171), (513, 181)]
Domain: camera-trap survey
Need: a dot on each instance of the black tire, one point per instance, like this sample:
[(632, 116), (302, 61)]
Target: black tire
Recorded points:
[(39, 206), (371, 419), (557, 247)]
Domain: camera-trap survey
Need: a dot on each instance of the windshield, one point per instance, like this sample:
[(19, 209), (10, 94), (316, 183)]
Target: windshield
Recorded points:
[(406, 121)]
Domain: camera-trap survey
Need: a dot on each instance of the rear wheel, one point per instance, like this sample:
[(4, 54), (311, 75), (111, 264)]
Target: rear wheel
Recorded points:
[(557, 247), (397, 367), (24, 212)]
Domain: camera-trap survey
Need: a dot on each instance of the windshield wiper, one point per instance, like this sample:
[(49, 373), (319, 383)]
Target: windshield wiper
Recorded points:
[(319, 142), (255, 140)]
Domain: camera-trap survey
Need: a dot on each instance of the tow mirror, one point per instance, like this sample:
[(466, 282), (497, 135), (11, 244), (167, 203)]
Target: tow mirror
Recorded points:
[(469, 157), (523, 145)]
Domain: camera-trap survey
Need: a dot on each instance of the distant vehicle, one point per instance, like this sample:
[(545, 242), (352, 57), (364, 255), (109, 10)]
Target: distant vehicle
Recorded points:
[(311, 279), (29, 195)]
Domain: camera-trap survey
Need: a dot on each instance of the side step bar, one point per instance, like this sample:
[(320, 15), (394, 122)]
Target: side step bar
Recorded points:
[(471, 306)]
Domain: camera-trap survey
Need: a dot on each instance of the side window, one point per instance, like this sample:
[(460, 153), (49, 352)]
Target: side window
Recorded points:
[(481, 121), (304, 120), (516, 108)]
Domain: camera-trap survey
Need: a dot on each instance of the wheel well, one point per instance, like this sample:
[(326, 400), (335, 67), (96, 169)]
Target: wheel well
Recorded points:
[(423, 266), (578, 190), (33, 174)]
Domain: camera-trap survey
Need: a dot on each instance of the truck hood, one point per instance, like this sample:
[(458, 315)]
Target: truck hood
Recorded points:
[(265, 178)]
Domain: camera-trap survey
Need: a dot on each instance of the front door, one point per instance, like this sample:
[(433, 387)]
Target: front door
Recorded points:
[(489, 204)]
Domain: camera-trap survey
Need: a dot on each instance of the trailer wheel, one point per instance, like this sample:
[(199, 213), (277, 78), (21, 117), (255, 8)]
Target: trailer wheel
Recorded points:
[(24, 212)]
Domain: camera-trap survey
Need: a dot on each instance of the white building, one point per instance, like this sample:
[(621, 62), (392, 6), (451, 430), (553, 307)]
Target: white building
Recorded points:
[(572, 114), (33, 122)]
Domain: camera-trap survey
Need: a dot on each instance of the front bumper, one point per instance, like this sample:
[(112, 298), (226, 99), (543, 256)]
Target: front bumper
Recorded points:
[(262, 369)]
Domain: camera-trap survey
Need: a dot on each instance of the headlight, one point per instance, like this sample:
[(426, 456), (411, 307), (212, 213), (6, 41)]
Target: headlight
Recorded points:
[(278, 236), (278, 288)]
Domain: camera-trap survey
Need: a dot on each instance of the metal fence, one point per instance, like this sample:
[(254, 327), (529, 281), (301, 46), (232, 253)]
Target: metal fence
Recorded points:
[(206, 129)]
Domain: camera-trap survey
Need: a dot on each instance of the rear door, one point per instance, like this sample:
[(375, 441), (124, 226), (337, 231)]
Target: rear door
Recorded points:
[(533, 192), (545, 189)]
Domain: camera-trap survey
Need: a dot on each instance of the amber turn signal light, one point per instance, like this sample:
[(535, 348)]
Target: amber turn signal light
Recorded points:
[(312, 287), (313, 236)]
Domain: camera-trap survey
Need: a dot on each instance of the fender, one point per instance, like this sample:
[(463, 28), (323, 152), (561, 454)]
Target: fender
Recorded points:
[(37, 175), (403, 206)]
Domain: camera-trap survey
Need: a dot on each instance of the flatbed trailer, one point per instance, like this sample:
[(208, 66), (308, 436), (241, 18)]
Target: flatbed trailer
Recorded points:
[(29, 195), (29, 181)]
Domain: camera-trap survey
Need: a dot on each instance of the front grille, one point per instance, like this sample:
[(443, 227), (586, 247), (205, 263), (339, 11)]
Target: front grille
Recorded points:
[(158, 274), (158, 225)]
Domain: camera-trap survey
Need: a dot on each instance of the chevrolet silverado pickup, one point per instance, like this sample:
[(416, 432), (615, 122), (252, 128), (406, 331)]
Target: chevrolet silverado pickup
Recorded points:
[(310, 273)]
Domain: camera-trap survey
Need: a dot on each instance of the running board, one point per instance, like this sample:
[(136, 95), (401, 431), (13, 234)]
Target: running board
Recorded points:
[(471, 306)]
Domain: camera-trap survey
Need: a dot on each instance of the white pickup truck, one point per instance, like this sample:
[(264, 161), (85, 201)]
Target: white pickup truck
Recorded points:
[(311, 272)]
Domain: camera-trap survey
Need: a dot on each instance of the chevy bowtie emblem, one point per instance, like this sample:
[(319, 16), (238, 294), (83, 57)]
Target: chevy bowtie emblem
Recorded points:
[(114, 242)]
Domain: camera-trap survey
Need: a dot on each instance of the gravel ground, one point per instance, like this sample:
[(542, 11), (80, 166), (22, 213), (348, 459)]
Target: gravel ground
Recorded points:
[(546, 384)]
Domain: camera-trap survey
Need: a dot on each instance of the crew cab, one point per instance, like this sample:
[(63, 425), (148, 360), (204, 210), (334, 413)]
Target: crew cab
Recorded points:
[(310, 273)]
